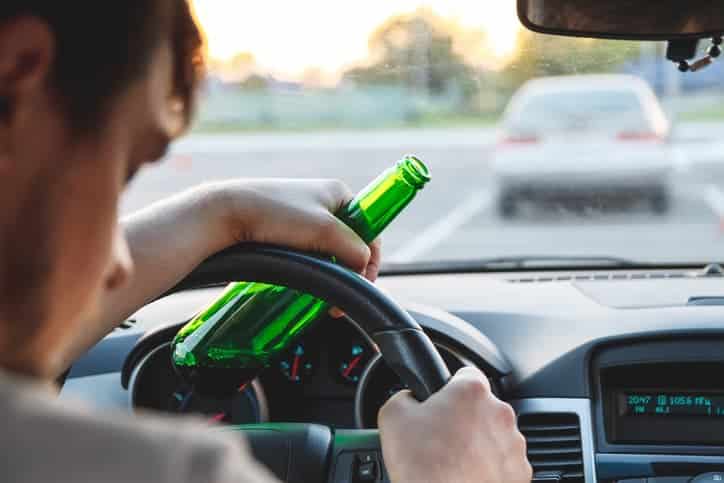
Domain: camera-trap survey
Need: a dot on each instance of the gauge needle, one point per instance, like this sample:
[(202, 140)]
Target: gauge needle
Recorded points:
[(295, 367), (352, 364)]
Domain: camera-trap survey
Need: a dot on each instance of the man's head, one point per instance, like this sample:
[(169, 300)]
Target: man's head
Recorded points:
[(89, 92)]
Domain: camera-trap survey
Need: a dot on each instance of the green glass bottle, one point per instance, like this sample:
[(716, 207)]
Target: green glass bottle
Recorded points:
[(242, 331)]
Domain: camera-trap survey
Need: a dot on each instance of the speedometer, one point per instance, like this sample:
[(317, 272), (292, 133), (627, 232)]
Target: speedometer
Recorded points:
[(155, 385), (241, 408)]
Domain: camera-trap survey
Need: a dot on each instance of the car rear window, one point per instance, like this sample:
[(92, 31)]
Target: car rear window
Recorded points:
[(576, 110)]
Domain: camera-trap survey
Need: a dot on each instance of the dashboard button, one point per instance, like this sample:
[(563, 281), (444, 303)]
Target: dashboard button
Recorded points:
[(547, 476), (367, 467), (366, 457), (366, 472)]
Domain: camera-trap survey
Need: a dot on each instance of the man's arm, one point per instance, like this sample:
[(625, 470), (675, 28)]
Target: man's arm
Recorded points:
[(167, 240), (170, 238)]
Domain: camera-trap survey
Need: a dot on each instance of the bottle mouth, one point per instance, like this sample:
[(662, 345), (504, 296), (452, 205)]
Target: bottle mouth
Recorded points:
[(414, 171)]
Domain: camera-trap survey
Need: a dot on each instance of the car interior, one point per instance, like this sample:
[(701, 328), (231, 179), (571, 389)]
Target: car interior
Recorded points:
[(612, 365)]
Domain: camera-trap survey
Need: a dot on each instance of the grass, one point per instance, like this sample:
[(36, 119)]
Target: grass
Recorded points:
[(426, 121), (713, 113)]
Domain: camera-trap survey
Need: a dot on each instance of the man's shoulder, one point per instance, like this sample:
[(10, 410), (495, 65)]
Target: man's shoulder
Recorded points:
[(45, 439)]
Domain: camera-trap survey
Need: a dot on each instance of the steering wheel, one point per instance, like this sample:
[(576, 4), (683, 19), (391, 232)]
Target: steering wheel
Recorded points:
[(311, 452)]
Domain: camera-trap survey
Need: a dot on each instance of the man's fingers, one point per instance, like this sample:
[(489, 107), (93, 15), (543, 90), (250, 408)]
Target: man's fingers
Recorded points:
[(337, 238), (400, 403), (471, 379), (373, 266), (336, 313), (469, 372), (370, 272)]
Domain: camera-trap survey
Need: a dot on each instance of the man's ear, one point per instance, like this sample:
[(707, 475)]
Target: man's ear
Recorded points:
[(27, 51)]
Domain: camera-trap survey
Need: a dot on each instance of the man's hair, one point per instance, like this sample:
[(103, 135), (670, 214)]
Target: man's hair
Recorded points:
[(102, 46)]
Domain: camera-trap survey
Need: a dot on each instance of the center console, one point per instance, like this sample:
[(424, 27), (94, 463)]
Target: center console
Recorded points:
[(664, 403), (659, 410)]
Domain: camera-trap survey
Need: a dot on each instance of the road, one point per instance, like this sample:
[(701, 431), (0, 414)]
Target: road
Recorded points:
[(455, 217)]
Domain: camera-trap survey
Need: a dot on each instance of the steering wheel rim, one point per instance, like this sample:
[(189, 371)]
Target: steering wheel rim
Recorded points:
[(310, 452), (402, 343)]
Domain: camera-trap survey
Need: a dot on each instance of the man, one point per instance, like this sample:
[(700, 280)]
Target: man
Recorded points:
[(89, 92)]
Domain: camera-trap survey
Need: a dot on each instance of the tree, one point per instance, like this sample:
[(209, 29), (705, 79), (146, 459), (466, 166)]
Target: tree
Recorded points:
[(242, 65), (234, 70), (254, 82), (539, 55), (416, 51)]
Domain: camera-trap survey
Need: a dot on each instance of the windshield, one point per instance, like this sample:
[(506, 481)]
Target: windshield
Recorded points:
[(538, 146)]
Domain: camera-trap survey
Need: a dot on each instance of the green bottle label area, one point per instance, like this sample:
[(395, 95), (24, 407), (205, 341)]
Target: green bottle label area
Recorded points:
[(251, 323), (272, 315)]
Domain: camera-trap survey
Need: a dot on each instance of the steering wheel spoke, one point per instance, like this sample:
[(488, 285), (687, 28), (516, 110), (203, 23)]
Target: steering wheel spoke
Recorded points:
[(306, 453)]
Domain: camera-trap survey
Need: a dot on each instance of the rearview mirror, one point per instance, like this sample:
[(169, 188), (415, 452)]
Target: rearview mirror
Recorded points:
[(624, 19)]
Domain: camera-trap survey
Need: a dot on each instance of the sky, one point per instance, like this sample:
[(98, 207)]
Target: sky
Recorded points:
[(289, 36)]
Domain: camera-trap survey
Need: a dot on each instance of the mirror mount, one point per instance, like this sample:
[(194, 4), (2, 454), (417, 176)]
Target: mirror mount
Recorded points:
[(681, 50)]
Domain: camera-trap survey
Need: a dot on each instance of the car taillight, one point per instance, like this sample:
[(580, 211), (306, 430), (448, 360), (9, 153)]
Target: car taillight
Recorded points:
[(638, 136), (512, 140)]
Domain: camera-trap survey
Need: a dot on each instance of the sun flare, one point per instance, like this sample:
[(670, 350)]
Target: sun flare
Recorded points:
[(289, 38)]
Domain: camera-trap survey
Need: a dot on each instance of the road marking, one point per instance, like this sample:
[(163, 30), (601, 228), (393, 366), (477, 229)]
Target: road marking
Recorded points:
[(444, 228), (715, 198)]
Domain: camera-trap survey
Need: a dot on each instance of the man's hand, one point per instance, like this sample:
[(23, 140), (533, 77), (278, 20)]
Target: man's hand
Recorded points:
[(298, 214), (462, 434)]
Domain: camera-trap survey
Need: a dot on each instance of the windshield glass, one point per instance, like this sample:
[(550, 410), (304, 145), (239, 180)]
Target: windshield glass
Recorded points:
[(538, 146)]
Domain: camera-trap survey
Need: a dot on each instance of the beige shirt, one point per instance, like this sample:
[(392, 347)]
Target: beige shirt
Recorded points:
[(43, 440)]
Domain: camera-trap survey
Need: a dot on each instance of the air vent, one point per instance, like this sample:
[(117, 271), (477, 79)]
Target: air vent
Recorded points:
[(554, 446), (127, 324)]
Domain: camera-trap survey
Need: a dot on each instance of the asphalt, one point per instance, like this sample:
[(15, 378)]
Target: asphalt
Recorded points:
[(455, 216)]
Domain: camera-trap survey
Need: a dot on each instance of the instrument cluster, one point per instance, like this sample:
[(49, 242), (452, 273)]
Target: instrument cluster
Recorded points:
[(315, 380)]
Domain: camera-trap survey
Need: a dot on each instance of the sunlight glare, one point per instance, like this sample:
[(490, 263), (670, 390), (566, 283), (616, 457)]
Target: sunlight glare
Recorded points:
[(288, 38)]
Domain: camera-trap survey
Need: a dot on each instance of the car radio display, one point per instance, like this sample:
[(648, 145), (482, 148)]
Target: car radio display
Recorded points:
[(671, 404), (664, 403)]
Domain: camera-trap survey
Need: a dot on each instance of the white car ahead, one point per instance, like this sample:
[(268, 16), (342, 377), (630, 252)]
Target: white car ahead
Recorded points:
[(583, 141)]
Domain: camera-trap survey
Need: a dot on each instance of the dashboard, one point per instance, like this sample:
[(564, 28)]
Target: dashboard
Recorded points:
[(332, 375), (615, 375)]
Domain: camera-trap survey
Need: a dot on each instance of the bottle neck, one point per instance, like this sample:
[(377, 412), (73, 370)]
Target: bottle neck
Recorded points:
[(375, 206)]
